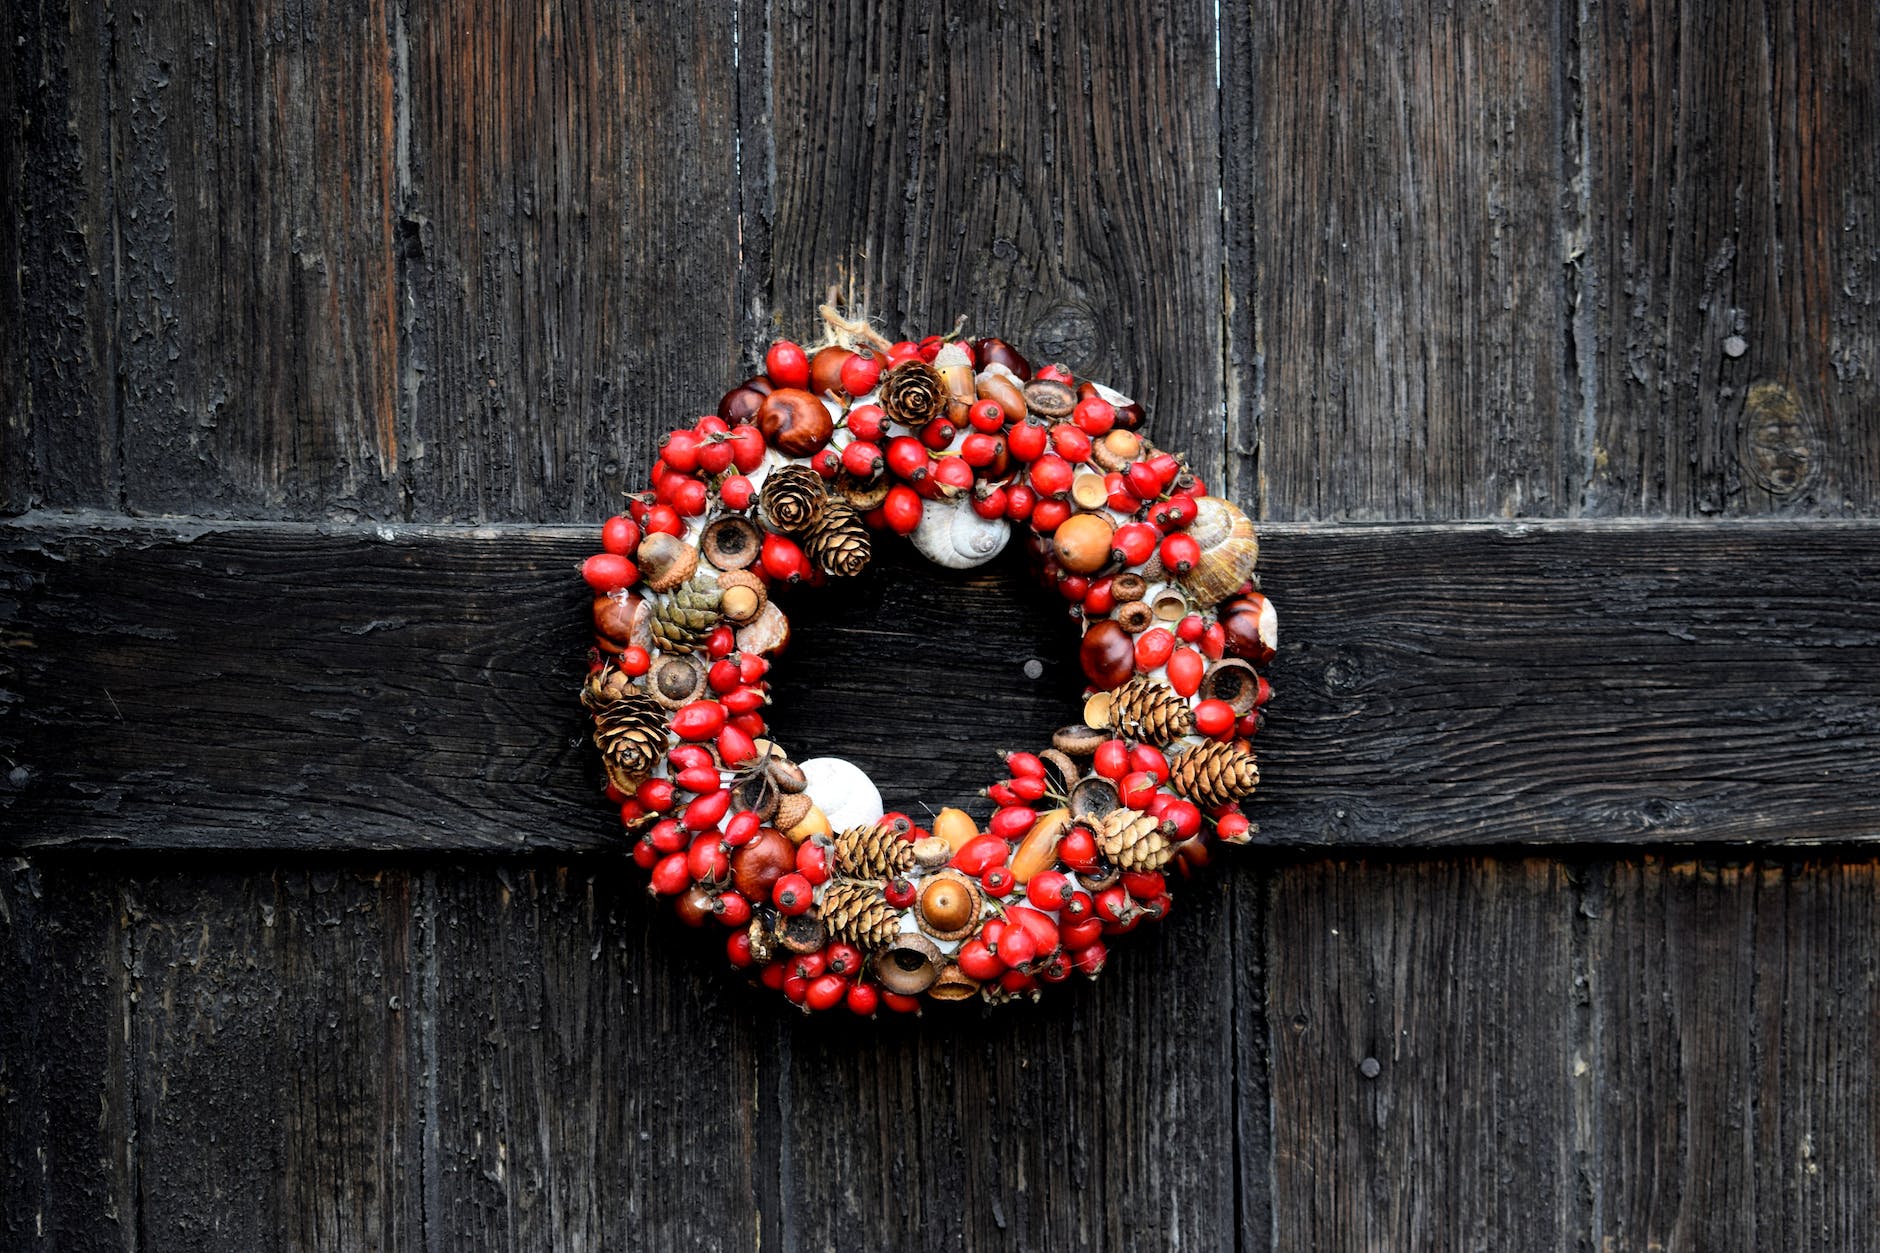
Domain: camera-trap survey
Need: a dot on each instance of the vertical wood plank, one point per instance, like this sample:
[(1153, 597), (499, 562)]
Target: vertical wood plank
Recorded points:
[(275, 1062), (1423, 1034), (1102, 1118), (1734, 197), (1736, 1006), (1405, 268), (573, 212), (58, 415), (1052, 172), (67, 1152), (595, 1070), (258, 322)]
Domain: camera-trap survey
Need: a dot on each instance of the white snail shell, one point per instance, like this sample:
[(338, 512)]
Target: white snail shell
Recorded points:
[(950, 534), (847, 797)]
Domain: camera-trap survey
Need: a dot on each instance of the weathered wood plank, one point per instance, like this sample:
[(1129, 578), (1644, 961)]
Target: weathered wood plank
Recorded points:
[(291, 687), (1733, 197), (1049, 171), (58, 415), (596, 1070), (1418, 1013), (1399, 181), (67, 1154), (253, 162), (1103, 1118), (572, 214), (1738, 1104), (276, 1061)]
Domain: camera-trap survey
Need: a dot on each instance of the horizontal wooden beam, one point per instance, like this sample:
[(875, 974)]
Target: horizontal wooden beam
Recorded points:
[(174, 685)]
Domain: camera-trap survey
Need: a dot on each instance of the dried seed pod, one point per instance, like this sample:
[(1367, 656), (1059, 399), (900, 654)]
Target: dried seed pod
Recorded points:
[(1170, 606), (1097, 710), (1061, 773), (758, 793), (803, 933), (863, 494), (949, 905), (913, 393), (732, 542), (665, 561), (793, 498), (1234, 681), (676, 679), (932, 852), (1049, 398), (744, 596), (909, 964), (763, 937)]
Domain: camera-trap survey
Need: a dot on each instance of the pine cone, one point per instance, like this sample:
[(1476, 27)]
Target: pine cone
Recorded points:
[(1150, 710), (793, 498), (913, 393), (1212, 773), (839, 541), (682, 620), (859, 913), (876, 851), (1133, 840), (629, 727)]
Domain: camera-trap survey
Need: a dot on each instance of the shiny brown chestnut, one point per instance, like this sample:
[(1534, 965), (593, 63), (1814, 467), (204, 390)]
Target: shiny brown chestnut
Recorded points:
[(794, 422), (740, 404), (825, 371), (757, 866), (1252, 628), (1108, 654), (994, 351)]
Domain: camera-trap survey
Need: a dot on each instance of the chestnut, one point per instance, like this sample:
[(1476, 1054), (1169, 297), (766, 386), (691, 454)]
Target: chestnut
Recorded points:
[(794, 422), (757, 866), (1108, 654), (740, 404), (825, 371), (994, 351)]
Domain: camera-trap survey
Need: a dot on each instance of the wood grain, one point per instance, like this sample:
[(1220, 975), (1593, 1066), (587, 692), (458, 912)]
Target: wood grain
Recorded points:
[(276, 1064), (1737, 1093), (1401, 255), (572, 244), (1025, 166), (258, 314), (58, 403), (596, 1070), (1421, 1017), (1733, 206), (68, 1155), (291, 687)]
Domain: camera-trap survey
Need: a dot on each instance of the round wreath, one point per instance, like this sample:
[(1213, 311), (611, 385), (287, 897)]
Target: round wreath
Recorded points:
[(952, 443)]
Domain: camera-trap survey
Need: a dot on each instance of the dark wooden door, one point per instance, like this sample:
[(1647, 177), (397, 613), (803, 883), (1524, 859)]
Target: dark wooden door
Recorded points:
[(1541, 337)]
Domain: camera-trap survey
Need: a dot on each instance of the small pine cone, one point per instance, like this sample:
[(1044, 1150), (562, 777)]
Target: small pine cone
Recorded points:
[(793, 498), (1134, 840), (913, 393), (859, 913), (1212, 773), (839, 541), (1150, 710), (876, 851), (629, 727), (683, 619)]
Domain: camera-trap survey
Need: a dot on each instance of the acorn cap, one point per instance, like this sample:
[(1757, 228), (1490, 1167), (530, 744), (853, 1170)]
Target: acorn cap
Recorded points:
[(931, 852), (1077, 739), (953, 984), (676, 679), (1049, 398), (1128, 586), (1094, 798), (1097, 711), (731, 543), (909, 965), (1061, 773), (1234, 681), (792, 808), (757, 793), (1135, 617), (949, 897), (1089, 491), (802, 933)]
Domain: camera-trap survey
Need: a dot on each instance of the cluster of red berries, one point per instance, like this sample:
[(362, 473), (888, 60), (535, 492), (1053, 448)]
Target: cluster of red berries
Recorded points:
[(897, 436)]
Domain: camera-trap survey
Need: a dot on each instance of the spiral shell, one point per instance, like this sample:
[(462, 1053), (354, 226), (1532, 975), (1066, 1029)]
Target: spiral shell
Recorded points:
[(950, 534), (1229, 551)]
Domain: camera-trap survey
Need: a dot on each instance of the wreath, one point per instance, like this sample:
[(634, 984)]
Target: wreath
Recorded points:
[(954, 443)]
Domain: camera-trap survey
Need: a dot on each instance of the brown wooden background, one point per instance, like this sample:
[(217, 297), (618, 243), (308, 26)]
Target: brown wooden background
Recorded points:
[(1544, 335)]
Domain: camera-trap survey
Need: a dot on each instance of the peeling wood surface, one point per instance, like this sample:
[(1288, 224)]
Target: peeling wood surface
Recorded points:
[(355, 689)]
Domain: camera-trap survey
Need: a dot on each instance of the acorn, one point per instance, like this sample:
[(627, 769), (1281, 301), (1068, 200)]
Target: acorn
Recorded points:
[(1116, 450), (955, 366), (743, 596), (1081, 543), (1005, 389), (794, 422), (732, 542), (949, 905), (665, 561), (1037, 851)]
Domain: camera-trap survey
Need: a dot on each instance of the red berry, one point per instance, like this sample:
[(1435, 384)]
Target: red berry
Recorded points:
[(1185, 817), (1028, 440), (980, 450), (1215, 718), (1233, 827), (1071, 443), (903, 509), (738, 948), (866, 422), (732, 909), (1090, 960), (1149, 758), (1025, 764), (1010, 824), (1078, 850), (981, 853), (1190, 628), (1094, 415), (667, 836), (655, 795), (860, 373), (901, 352), (1047, 890), (938, 434), (1185, 669), (782, 559), (1144, 482), (792, 894), (1051, 475), (987, 416), (700, 779), (700, 720), (705, 812), (635, 660), (899, 893), (1112, 759), (1137, 789), (1181, 553), (1017, 947), (998, 880), (737, 492), (1048, 515), (735, 747), (742, 828), (720, 642), (787, 364), (863, 999), (1153, 648), (990, 502), (609, 572), (1028, 788), (1019, 502), (619, 535), (714, 457), (670, 876), (1076, 908), (680, 451), (663, 518), (908, 458), (1084, 932), (979, 962), (707, 860), (862, 459), (954, 473), (843, 959)]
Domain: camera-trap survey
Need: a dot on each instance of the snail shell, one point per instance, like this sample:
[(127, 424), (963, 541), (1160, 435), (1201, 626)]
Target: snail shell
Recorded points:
[(1229, 551), (840, 789), (950, 534)]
